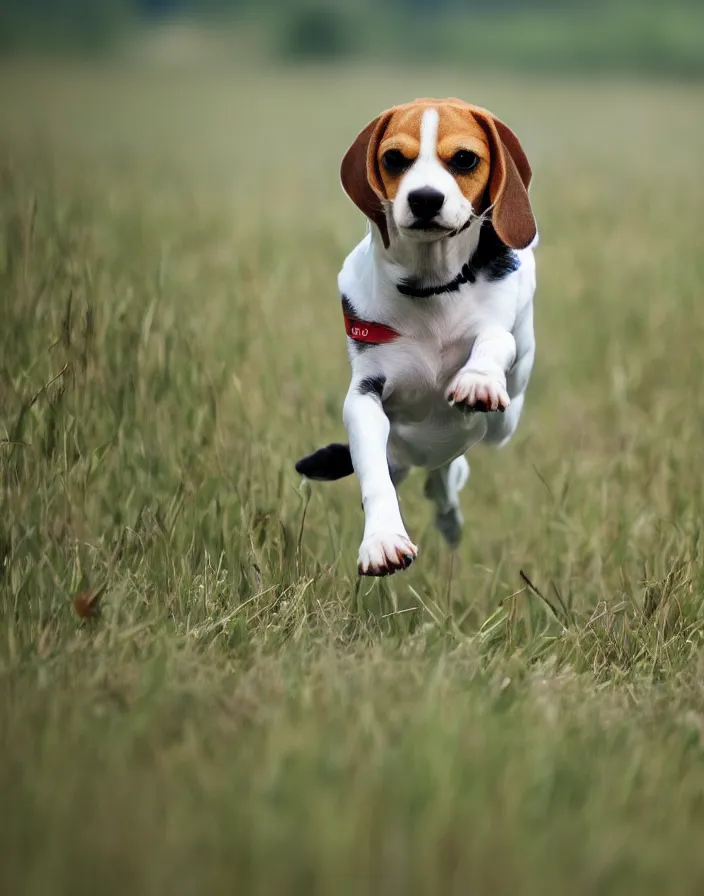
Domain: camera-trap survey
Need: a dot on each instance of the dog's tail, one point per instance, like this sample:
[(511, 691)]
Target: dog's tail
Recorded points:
[(327, 464)]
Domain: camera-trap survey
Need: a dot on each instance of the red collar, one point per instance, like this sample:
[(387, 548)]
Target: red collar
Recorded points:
[(366, 331)]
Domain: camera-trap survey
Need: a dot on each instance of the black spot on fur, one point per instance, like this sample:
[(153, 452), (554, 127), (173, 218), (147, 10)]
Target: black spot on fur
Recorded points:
[(327, 464), (492, 258), (372, 385)]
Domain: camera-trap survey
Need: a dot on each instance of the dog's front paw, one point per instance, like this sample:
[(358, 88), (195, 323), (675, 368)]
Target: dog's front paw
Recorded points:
[(383, 553), (470, 391)]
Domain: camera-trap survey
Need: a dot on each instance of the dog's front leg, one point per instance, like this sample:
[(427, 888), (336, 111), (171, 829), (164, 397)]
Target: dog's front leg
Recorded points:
[(386, 546), (481, 383)]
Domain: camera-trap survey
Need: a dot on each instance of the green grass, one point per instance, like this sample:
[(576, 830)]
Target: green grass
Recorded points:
[(244, 715)]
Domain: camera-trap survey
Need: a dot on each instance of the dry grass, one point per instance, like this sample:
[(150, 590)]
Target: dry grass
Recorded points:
[(241, 713)]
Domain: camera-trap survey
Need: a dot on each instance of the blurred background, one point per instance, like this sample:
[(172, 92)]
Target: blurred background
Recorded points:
[(231, 704), (640, 36)]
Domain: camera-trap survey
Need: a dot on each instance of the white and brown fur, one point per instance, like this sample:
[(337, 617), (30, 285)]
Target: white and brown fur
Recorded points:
[(448, 264)]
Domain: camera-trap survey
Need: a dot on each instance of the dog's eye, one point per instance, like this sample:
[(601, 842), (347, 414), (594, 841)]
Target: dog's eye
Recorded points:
[(395, 162), (464, 161)]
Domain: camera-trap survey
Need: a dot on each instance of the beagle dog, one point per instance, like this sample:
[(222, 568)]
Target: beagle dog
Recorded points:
[(438, 308)]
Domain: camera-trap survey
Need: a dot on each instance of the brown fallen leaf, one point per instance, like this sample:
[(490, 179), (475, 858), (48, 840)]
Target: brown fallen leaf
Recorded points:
[(87, 603)]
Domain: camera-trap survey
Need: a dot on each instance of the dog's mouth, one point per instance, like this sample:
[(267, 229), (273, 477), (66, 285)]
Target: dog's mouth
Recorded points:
[(433, 228), (428, 226)]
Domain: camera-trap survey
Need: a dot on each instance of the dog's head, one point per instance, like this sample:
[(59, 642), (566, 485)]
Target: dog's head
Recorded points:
[(435, 165)]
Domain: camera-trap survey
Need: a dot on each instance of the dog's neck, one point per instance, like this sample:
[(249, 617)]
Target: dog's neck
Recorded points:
[(430, 264)]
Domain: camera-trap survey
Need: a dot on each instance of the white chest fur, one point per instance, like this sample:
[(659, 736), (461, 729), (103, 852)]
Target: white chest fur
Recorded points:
[(436, 338)]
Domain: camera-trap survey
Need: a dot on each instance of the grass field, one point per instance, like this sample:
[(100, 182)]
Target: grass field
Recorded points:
[(243, 715)]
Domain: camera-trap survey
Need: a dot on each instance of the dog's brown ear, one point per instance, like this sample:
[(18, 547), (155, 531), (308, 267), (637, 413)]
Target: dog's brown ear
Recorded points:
[(509, 180), (360, 175)]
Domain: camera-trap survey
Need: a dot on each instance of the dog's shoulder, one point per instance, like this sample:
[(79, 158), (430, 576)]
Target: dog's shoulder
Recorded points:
[(526, 276), (357, 281), (499, 291), (358, 268)]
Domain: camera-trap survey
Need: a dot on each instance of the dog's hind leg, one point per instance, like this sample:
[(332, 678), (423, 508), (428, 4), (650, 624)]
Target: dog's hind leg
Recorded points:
[(443, 487)]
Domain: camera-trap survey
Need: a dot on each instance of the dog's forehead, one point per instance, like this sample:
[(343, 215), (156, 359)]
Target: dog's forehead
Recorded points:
[(406, 121), (454, 119)]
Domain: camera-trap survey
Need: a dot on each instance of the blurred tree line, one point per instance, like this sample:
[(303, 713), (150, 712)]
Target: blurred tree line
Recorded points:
[(589, 35)]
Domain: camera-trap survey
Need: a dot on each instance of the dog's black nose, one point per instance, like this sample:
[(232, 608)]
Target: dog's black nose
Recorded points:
[(426, 202)]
